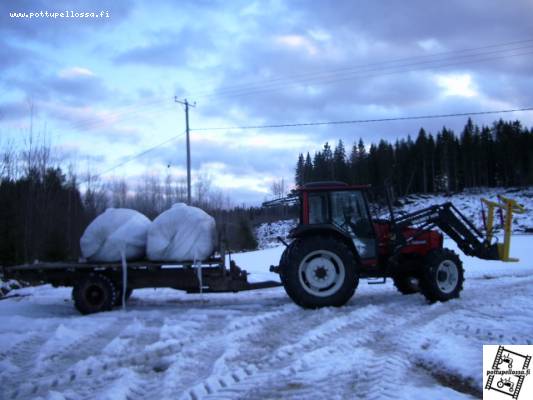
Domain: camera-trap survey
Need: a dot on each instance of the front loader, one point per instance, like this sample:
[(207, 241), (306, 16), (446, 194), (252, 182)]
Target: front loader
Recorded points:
[(337, 242)]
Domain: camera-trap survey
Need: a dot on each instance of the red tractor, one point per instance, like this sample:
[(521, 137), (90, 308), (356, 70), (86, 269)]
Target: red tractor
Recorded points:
[(337, 242)]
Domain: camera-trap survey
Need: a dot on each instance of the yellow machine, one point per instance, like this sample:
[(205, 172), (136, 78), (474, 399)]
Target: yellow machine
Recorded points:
[(507, 206)]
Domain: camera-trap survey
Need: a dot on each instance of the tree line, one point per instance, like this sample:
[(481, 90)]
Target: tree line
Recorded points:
[(44, 210), (489, 156)]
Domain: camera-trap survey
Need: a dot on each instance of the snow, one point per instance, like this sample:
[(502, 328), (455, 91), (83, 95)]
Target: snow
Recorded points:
[(268, 233), (258, 344), (7, 286), (469, 203)]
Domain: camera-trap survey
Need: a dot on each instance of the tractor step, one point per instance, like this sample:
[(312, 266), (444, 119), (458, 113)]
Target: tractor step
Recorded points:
[(377, 281)]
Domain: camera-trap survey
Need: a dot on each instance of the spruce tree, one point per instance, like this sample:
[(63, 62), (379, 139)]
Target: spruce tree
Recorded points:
[(300, 170)]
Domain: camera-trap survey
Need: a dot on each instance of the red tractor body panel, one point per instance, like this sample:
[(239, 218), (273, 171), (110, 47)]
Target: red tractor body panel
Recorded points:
[(422, 244)]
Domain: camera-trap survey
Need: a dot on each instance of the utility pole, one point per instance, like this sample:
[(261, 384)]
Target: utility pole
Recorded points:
[(187, 104)]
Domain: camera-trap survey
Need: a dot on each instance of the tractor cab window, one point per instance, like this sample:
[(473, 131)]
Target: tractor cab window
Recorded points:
[(318, 213), (349, 213)]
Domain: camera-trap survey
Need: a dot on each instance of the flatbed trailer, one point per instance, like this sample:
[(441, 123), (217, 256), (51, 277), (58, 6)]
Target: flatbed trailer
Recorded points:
[(98, 286)]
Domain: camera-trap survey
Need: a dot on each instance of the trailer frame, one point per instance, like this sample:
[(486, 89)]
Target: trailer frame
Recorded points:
[(208, 276)]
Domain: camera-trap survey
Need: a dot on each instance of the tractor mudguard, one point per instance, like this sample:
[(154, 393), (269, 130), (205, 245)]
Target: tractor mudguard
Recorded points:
[(302, 231)]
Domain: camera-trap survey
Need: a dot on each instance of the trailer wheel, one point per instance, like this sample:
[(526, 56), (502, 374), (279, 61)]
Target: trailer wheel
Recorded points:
[(94, 293), (443, 276), (406, 284), (319, 272), (118, 301)]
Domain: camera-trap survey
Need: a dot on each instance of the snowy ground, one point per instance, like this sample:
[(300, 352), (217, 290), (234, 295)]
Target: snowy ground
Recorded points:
[(169, 345)]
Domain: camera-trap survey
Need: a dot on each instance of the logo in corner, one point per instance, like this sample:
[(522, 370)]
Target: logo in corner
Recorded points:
[(508, 373)]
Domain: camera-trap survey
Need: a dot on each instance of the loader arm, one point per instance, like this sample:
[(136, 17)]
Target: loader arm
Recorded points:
[(451, 221)]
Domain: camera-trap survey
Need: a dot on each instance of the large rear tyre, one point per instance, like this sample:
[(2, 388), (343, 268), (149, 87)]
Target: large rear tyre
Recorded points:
[(94, 293), (318, 272), (443, 276)]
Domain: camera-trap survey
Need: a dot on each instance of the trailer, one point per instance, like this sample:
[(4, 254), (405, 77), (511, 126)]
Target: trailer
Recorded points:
[(99, 286)]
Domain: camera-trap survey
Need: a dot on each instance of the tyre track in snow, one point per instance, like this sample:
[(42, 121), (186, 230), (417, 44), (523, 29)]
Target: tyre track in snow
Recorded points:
[(213, 348), (470, 318), (23, 353), (194, 361), (45, 372), (498, 309), (100, 370), (85, 346), (385, 362), (22, 356), (280, 346), (389, 335), (330, 335)]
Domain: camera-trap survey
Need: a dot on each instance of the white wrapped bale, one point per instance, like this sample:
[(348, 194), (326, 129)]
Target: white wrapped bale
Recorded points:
[(182, 233), (115, 231)]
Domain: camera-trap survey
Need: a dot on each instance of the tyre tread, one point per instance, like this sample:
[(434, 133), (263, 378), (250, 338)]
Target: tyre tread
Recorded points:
[(427, 283)]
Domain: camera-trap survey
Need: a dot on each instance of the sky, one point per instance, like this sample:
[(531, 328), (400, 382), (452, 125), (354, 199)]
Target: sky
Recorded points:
[(103, 89)]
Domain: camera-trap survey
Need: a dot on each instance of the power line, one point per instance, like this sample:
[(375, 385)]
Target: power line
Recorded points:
[(362, 121), (122, 117), (345, 122), (139, 155), (371, 67), (132, 108), (375, 73)]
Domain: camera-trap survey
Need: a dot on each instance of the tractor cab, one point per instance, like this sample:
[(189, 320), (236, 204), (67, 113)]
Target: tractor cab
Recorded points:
[(342, 208)]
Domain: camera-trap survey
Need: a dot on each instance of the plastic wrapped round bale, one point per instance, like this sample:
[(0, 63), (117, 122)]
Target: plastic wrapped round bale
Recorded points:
[(114, 231), (182, 233)]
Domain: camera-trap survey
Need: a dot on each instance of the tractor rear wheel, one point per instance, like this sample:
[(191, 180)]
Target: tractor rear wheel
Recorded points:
[(443, 276), (319, 271)]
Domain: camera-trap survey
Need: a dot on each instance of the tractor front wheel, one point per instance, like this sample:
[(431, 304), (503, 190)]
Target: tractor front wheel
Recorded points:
[(319, 271), (443, 276)]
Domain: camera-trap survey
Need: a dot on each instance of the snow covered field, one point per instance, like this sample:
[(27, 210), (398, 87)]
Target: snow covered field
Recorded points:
[(170, 345)]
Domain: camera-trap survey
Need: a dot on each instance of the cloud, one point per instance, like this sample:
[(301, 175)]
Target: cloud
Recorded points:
[(88, 119), (298, 42), (457, 85), (12, 56), (75, 86), (276, 78), (13, 111), (75, 72), (167, 48)]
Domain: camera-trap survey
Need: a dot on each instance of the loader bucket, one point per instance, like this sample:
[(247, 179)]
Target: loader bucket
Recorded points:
[(508, 206)]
